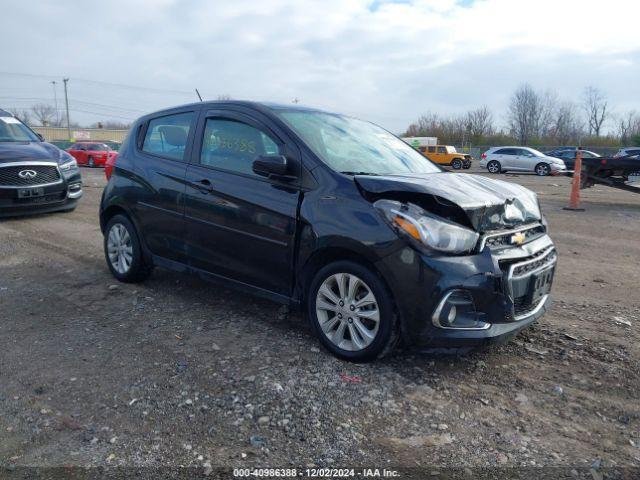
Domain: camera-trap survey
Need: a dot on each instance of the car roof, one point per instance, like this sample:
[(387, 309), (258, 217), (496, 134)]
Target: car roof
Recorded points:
[(261, 106)]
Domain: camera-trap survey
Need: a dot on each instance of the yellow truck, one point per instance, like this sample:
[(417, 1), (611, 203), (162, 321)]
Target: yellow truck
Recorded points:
[(440, 154)]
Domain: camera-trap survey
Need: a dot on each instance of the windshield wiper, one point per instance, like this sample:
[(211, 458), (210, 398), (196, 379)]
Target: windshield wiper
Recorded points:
[(361, 173)]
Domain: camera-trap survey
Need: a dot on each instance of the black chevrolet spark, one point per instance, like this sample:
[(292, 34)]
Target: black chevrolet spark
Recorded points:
[(35, 176), (332, 215)]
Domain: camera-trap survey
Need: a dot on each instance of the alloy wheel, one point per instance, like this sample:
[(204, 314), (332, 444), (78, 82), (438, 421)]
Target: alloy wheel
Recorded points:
[(493, 167), (543, 169), (120, 248), (347, 312)]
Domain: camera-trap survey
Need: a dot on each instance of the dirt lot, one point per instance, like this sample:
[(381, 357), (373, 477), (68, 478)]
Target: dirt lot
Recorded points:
[(178, 372)]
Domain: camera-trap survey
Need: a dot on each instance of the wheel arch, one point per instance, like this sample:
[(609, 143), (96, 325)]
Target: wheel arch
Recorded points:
[(115, 209), (330, 254)]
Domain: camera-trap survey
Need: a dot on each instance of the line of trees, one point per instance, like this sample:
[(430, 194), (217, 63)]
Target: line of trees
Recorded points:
[(536, 118)]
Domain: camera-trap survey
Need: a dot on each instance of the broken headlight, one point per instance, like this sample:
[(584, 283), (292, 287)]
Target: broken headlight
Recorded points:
[(426, 229)]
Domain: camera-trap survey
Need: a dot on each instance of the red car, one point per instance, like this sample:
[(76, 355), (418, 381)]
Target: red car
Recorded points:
[(92, 154)]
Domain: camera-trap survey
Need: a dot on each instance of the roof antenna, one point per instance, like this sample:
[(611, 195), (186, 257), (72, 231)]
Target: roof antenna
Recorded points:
[(198, 93)]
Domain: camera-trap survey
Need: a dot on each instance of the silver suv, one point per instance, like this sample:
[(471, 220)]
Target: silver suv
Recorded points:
[(520, 159)]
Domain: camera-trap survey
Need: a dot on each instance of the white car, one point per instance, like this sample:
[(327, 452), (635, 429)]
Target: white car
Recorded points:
[(520, 159), (623, 152)]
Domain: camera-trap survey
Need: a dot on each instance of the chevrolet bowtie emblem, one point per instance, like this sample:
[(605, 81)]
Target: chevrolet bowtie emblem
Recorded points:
[(518, 238)]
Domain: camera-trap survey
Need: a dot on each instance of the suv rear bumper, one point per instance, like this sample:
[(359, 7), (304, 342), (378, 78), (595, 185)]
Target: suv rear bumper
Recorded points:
[(498, 283)]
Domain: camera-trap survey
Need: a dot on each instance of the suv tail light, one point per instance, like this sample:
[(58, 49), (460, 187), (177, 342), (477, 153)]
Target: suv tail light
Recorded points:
[(483, 156)]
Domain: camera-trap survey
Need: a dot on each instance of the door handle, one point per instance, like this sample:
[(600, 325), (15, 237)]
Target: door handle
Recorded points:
[(204, 186)]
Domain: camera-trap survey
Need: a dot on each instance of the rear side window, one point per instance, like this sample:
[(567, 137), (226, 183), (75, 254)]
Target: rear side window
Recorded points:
[(505, 151), (233, 145), (432, 149), (167, 136)]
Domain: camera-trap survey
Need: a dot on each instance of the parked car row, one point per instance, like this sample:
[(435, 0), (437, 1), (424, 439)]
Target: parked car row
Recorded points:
[(526, 159)]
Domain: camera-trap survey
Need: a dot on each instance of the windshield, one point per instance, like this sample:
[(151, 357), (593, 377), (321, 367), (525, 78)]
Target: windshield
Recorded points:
[(97, 147), (13, 130), (351, 146), (536, 153)]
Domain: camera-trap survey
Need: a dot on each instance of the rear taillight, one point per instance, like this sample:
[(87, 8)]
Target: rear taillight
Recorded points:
[(483, 156), (108, 166)]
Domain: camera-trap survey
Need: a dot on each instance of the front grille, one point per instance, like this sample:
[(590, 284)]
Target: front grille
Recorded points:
[(521, 280), (44, 174), (535, 262), (502, 240), (522, 308)]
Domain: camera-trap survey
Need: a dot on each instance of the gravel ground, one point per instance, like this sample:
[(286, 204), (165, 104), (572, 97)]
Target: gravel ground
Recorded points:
[(178, 373)]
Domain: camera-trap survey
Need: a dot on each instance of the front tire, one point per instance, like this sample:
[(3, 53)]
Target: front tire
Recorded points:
[(494, 166), (352, 312), (456, 164), (543, 169), (123, 251)]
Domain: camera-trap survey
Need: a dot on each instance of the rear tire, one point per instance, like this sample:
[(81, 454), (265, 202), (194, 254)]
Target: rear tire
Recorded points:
[(123, 251), (352, 312), (494, 166), (456, 164), (542, 169)]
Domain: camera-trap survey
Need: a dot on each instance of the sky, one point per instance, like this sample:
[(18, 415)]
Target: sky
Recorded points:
[(385, 61)]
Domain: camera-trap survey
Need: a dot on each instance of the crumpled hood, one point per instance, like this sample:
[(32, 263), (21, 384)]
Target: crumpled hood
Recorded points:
[(488, 204), (28, 151)]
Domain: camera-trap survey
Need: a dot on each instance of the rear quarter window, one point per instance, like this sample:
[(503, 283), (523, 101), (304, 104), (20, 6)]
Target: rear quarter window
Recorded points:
[(167, 136)]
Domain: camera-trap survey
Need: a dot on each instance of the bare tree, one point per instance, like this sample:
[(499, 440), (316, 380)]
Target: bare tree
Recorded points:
[(479, 123), (627, 126), (530, 113), (566, 127), (22, 115), (595, 106), (44, 113)]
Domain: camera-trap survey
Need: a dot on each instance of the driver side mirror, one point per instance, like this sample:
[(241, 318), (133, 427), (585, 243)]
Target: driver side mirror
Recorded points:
[(272, 166)]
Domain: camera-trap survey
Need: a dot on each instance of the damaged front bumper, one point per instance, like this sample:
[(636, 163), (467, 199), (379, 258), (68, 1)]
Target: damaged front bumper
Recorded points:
[(473, 300)]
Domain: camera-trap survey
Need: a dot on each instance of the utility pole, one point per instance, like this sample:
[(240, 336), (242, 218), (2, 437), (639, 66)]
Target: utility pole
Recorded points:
[(66, 101), (55, 101)]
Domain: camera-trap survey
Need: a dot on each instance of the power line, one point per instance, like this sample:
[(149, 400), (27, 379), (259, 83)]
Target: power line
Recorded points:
[(101, 82), (76, 101)]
